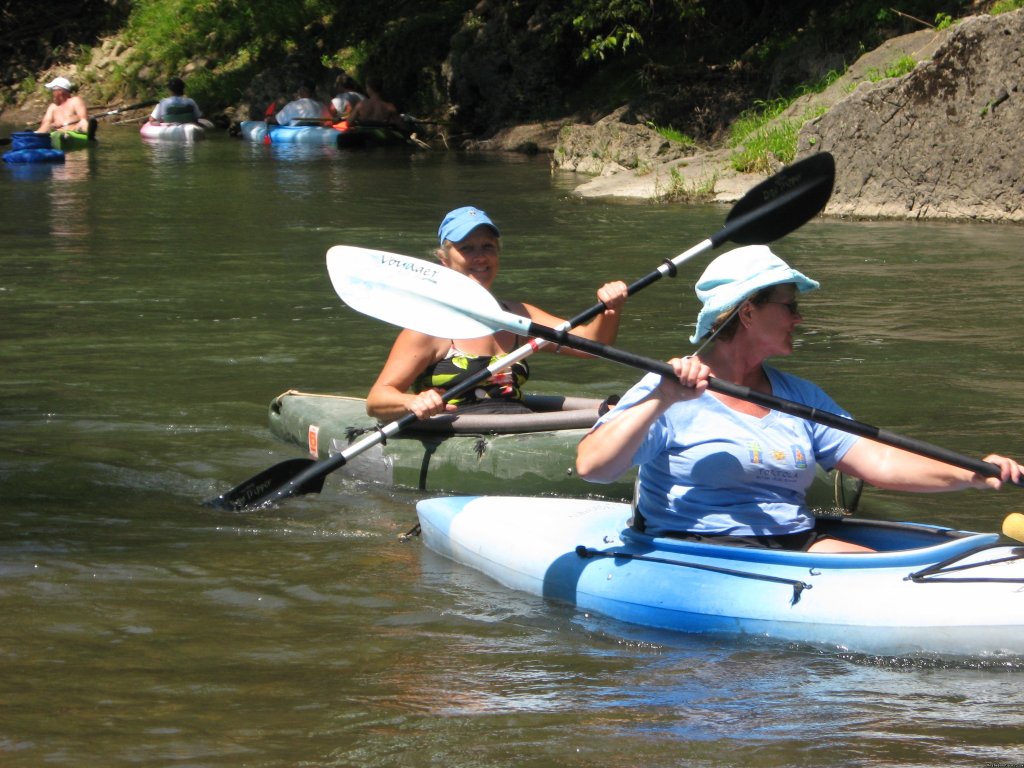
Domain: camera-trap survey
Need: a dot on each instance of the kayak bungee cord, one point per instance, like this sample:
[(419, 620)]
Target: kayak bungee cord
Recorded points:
[(798, 586), (933, 574)]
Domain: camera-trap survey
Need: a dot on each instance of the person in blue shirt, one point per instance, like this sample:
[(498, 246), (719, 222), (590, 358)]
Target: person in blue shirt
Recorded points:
[(176, 108), (722, 470)]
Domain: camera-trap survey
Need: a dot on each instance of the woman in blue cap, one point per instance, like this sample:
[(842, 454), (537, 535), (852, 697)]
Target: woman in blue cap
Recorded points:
[(717, 469), (421, 366)]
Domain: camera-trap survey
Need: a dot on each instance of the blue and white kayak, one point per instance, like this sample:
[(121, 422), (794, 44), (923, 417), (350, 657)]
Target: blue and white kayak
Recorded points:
[(926, 591)]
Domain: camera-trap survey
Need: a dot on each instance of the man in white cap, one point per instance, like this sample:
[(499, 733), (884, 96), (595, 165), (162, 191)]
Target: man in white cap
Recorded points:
[(67, 111)]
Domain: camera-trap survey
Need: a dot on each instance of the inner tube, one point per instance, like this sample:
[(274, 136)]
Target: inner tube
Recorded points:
[(34, 155), (30, 140)]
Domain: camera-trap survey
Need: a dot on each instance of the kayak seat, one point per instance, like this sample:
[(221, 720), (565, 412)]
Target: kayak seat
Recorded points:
[(896, 544), (179, 114), (549, 413)]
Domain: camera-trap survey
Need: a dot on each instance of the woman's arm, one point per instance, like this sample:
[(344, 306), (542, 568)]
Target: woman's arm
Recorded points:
[(608, 451), (389, 398), (604, 328), (886, 466)]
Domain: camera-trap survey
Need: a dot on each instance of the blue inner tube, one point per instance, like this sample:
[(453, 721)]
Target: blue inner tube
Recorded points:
[(30, 140), (34, 155)]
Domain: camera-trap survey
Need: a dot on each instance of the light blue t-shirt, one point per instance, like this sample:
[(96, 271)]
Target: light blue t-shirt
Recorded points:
[(302, 109), (706, 468), (174, 108)]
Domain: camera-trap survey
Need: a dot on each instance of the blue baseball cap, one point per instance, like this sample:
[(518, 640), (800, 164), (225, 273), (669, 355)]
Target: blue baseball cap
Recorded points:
[(457, 224), (737, 275)]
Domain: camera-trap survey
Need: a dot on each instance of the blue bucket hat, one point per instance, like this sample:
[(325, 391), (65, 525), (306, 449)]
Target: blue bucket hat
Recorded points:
[(457, 224), (737, 275)]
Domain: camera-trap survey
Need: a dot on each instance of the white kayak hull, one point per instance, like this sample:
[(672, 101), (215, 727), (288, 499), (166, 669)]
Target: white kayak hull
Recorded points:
[(885, 603)]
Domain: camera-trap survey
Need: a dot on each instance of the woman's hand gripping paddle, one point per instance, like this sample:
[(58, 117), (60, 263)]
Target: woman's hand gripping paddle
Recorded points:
[(424, 291)]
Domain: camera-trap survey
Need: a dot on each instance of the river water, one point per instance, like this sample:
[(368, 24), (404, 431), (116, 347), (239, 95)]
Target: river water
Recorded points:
[(155, 298)]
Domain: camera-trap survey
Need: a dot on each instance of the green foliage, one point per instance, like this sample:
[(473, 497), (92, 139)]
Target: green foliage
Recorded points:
[(351, 59), (22, 90), (681, 191), (610, 27), (617, 40), (1005, 6), (760, 139), (673, 135), (37, 36), (755, 119), (170, 33), (692, 63), (607, 28), (830, 77), (763, 148), (902, 66), (238, 39)]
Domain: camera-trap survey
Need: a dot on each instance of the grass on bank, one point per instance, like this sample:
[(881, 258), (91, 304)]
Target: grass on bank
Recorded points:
[(761, 139), (673, 135), (1005, 6), (681, 191)]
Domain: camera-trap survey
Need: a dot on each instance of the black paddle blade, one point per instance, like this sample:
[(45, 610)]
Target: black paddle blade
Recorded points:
[(254, 491), (778, 205)]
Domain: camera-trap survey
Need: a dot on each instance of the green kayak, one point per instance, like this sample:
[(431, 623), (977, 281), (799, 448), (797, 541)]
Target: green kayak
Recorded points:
[(72, 140), (519, 454)]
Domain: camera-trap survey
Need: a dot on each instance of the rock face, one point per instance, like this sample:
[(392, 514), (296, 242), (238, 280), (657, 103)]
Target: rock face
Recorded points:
[(941, 142), (615, 143)]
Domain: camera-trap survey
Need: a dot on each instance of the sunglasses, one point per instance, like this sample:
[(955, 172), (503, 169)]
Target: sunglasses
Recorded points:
[(792, 306)]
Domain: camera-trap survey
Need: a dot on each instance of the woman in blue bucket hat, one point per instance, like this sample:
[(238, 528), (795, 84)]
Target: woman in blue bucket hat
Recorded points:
[(420, 366), (722, 470)]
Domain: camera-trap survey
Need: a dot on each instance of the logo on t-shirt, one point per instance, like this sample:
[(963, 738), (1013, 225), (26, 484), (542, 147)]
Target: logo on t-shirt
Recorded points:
[(754, 449), (799, 457)]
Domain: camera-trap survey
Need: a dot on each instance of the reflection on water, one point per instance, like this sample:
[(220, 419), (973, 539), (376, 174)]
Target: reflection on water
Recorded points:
[(162, 152), (70, 221), (157, 296)]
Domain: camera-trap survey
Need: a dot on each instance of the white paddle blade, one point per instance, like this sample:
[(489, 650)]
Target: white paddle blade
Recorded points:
[(416, 294)]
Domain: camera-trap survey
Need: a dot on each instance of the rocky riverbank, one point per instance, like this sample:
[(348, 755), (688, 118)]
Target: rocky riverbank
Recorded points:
[(939, 142)]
